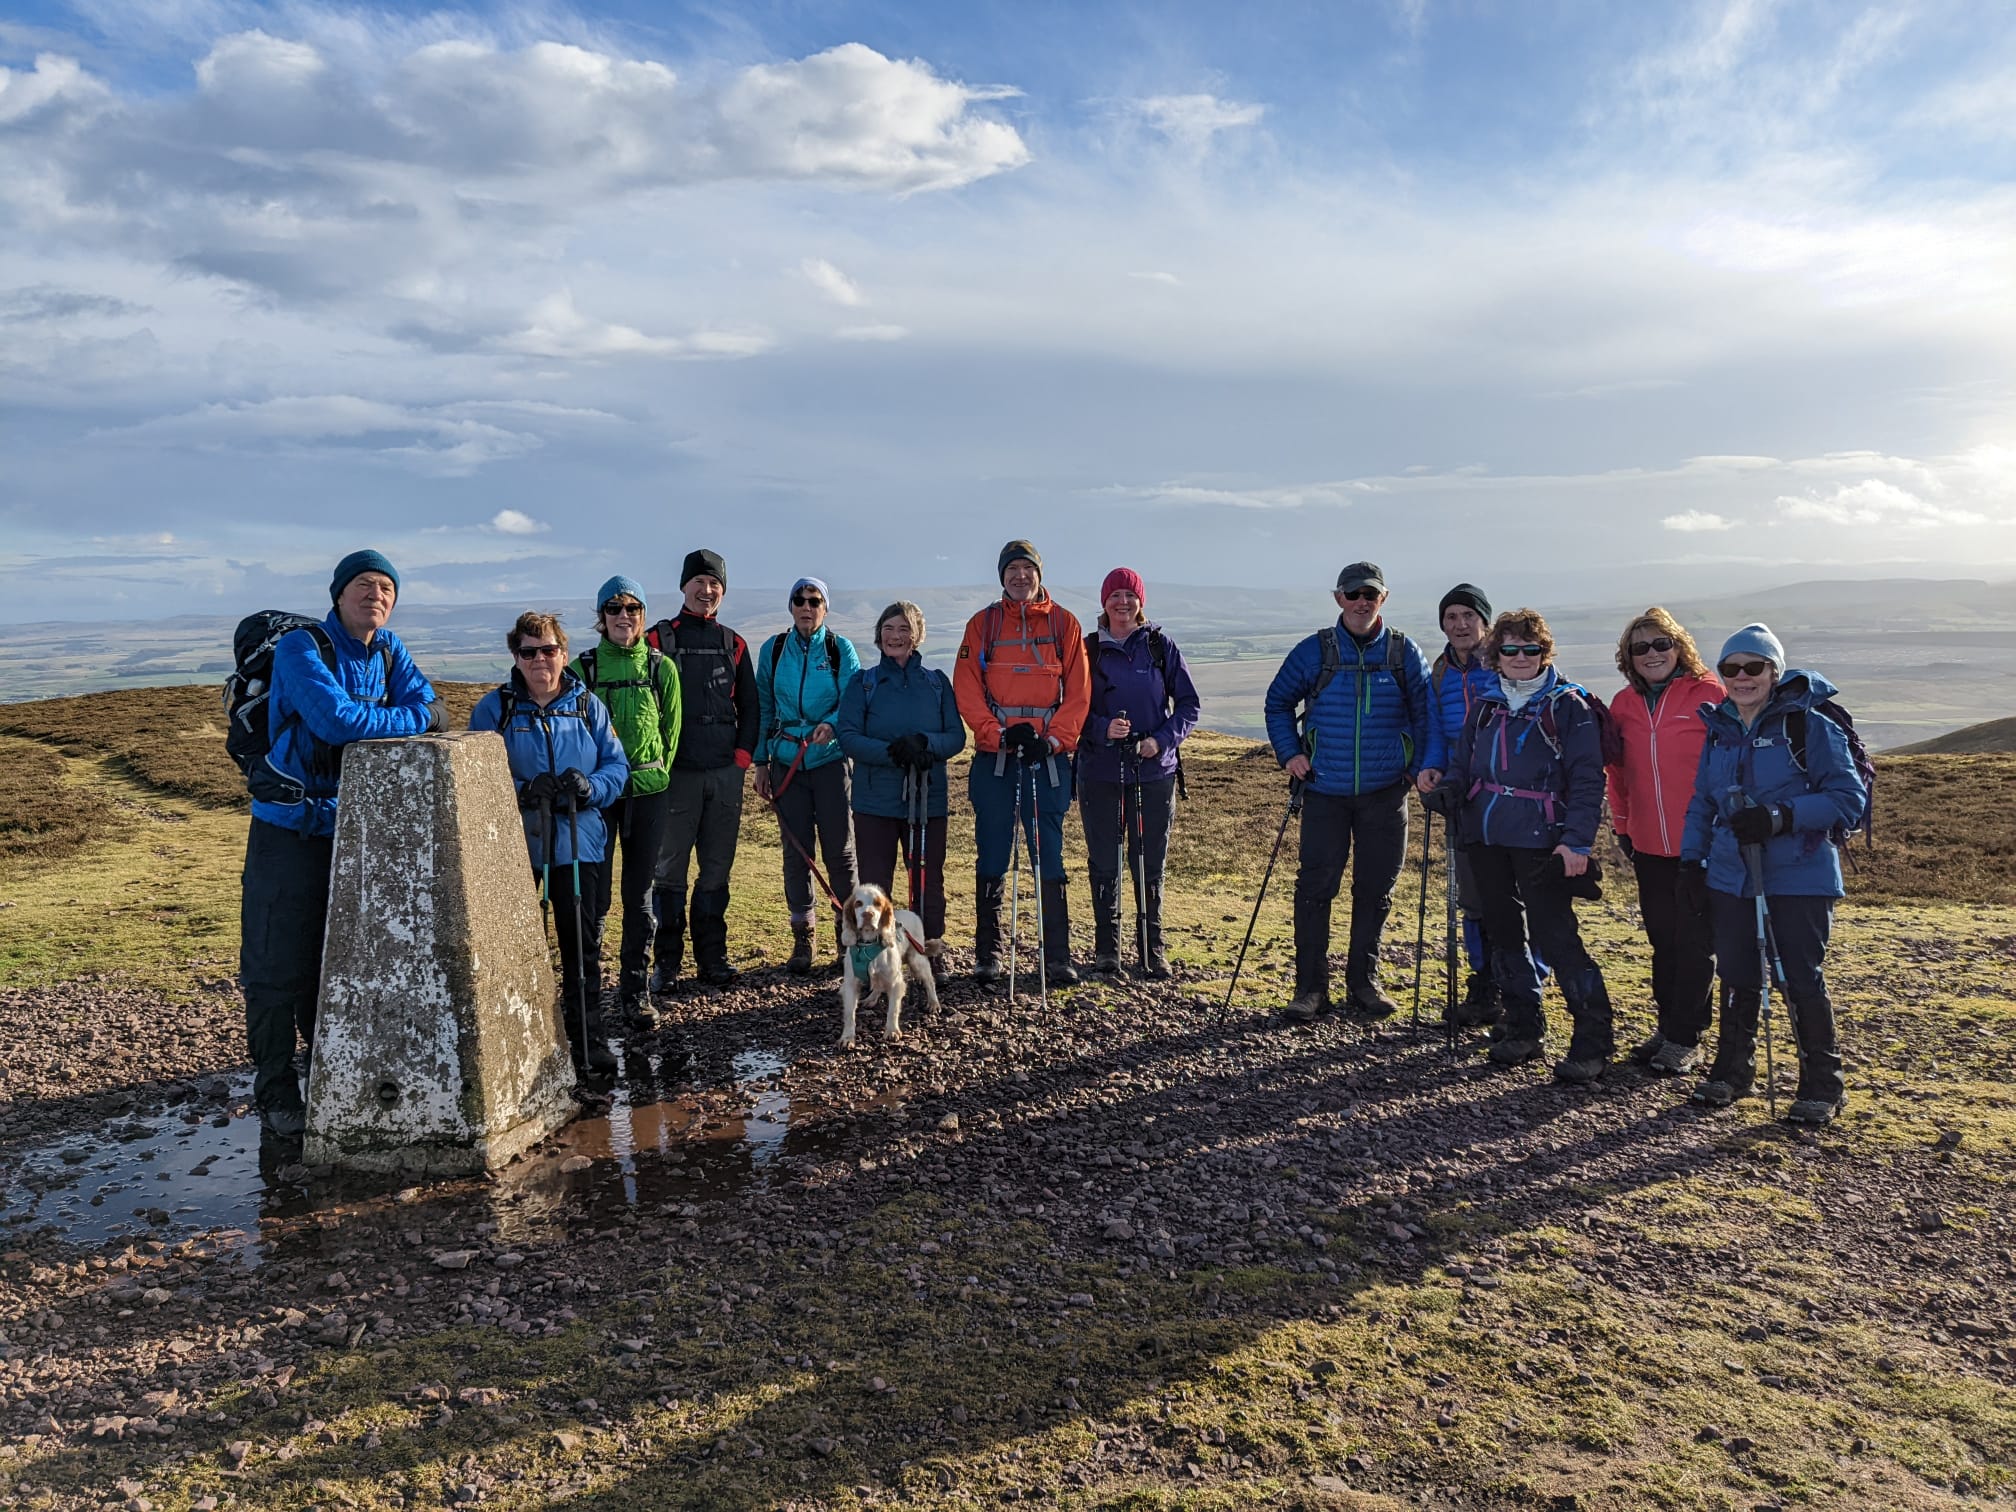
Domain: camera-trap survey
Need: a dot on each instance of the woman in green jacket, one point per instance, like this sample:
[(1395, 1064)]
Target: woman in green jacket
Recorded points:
[(640, 686)]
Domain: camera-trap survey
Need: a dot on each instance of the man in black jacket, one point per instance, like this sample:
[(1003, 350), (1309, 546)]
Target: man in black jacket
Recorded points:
[(717, 743)]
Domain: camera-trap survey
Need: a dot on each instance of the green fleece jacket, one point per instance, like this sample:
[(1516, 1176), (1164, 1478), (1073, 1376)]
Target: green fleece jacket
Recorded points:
[(643, 703)]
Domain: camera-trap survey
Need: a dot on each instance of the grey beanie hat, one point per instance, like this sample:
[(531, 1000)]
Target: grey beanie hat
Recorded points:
[(1754, 640)]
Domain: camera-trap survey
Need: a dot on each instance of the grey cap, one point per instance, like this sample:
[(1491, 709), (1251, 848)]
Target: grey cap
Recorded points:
[(1361, 575)]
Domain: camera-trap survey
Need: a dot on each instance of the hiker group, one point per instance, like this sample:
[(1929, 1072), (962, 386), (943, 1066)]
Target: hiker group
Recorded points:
[(1728, 795)]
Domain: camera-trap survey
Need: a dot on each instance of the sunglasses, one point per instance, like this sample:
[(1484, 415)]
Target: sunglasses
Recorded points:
[(1743, 669), (617, 611), (1657, 643), (1361, 595), (1521, 650), (534, 653), (806, 601)]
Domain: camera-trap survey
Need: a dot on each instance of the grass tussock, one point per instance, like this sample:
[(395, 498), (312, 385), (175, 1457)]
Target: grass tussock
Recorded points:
[(41, 815)]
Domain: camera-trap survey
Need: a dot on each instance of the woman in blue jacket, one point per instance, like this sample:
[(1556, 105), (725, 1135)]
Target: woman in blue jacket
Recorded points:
[(569, 766), (1525, 782), (1777, 780), (899, 725), (1143, 706)]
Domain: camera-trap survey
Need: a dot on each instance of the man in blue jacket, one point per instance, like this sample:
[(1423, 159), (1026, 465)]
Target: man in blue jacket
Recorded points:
[(367, 689), (800, 767), (1363, 729)]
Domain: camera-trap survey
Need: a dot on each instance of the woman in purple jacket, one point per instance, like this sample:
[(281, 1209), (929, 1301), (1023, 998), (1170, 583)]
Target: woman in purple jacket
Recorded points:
[(1143, 706)]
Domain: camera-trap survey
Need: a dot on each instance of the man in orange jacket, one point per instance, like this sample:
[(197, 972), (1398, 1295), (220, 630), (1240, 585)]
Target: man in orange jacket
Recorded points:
[(1024, 688)]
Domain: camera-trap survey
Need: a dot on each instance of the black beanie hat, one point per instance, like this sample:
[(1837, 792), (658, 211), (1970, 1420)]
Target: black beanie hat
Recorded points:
[(704, 561), (1468, 594), (1016, 551)]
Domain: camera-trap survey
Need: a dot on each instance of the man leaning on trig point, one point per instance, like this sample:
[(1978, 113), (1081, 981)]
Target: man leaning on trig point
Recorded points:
[(1363, 692), (1023, 685)]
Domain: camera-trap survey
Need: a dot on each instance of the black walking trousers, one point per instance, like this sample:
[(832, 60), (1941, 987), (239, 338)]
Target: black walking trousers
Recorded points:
[(637, 824), (284, 912), (1376, 823), (1525, 898), (1683, 950)]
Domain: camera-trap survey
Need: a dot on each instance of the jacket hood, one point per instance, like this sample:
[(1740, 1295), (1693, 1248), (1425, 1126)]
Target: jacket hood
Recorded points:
[(1551, 682), (571, 686), (1797, 689), (1108, 638)]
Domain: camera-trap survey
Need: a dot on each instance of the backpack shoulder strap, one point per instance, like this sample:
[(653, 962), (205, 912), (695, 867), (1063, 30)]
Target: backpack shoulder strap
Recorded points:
[(833, 658), (1798, 735), (586, 668), (1332, 656), (1396, 651), (775, 653)]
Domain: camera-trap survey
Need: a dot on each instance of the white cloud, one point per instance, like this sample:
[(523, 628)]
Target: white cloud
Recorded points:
[(1875, 503), (1157, 276), (556, 328), (1192, 120), (1689, 521), (330, 425), (830, 281), (872, 333), (512, 522)]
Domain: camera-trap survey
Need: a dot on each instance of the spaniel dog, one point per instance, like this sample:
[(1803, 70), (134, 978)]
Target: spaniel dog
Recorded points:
[(881, 943)]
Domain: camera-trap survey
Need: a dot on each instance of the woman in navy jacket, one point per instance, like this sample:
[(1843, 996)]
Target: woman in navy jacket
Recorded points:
[(1525, 781), (1776, 779), (899, 724), (1143, 706), (569, 766)]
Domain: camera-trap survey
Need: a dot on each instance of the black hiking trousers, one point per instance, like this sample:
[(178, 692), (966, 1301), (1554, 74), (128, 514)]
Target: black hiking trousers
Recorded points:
[(637, 824), (1375, 824), (282, 917), (1683, 950)]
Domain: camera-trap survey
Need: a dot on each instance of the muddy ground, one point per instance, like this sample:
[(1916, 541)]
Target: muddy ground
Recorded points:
[(1116, 1251)]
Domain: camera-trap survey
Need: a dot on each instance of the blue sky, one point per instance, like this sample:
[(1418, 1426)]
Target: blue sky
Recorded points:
[(1556, 297)]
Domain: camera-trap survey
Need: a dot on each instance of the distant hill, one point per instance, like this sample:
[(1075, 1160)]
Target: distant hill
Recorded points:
[(1989, 735)]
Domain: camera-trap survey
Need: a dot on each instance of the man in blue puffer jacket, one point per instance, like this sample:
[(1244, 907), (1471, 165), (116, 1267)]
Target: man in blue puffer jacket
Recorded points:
[(800, 675), (1763, 782), (1363, 692), (569, 766), (1456, 680), (373, 692), (1526, 781)]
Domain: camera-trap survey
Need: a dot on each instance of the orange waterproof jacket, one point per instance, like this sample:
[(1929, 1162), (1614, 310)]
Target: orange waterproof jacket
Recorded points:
[(1023, 663), (1650, 788)]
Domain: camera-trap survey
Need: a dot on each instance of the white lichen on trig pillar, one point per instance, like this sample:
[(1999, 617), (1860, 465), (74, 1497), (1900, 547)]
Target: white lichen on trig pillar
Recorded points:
[(438, 1042)]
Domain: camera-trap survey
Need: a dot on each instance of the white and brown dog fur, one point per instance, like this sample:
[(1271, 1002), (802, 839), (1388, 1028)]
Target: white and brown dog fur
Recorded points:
[(869, 915)]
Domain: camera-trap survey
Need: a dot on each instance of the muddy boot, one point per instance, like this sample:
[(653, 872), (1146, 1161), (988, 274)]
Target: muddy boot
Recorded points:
[(1158, 957), (800, 963), (1363, 995), (1057, 934), (668, 945), (988, 967), (633, 1005), (1106, 927), (1480, 1004), (587, 1038), (1593, 1041), (1734, 1072), (1823, 1092), (710, 937), (1307, 1007)]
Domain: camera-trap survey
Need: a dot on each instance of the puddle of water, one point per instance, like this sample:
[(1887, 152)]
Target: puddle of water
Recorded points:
[(198, 1168)]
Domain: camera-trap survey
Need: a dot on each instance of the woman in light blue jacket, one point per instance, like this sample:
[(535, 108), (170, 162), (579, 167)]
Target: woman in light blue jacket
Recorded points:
[(1777, 781), (569, 767)]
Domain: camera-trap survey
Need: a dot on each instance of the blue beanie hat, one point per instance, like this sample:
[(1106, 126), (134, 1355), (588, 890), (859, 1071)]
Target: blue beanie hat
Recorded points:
[(619, 584), (1754, 640), (355, 565), (808, 582)]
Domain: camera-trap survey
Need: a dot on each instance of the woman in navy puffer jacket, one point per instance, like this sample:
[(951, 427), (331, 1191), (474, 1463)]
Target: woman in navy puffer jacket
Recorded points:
[(1767, 798), (1143, 706), (1525, 782)]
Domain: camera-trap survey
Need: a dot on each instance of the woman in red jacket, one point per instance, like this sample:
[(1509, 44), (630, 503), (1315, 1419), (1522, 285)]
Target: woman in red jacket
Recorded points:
[(1659, 715)]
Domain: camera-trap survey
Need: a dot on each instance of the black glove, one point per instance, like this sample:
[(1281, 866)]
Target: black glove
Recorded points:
[(1753, 826), (1693, 887), (899, 751), (572, 790), (1445, 798), (536, 792), (1026, 739), (1624, 844), (1588, 886), (918, 744), (433, 718)]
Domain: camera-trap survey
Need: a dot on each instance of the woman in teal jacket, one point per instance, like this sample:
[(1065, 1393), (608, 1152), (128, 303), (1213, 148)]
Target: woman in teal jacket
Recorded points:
[(899, 723), (800, 767), (569, 767), (1777, 781)]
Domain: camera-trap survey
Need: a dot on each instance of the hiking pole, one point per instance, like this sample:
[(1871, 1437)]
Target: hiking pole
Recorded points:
[(1449, 1016), (1753, 862), (580, 940), (1036, 877), (1294, 808), (1140, 850), (1421, 916), (1015, 880)]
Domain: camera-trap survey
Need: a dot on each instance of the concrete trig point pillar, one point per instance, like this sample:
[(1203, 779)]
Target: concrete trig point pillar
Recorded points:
[(438, 1041)]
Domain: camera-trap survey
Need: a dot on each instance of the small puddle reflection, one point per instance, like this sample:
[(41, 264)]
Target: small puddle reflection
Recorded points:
[(202, 1167)]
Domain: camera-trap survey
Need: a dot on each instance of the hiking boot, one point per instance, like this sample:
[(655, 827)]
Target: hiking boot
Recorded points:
[(1734, 1072), (286, 1122), (1057, 934), (987, 964), (1581, 1067), (1158, 958), (1106, 928), (668, 945), (1516, 1048), (1366, 1001), (1480, 1005), (710, 937), (1307, 1007), (800, 963), (1720, 1092), (1673, 1058), (1647, 1048), (1816, 1111), (635, 1013), (1822, 1091)]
